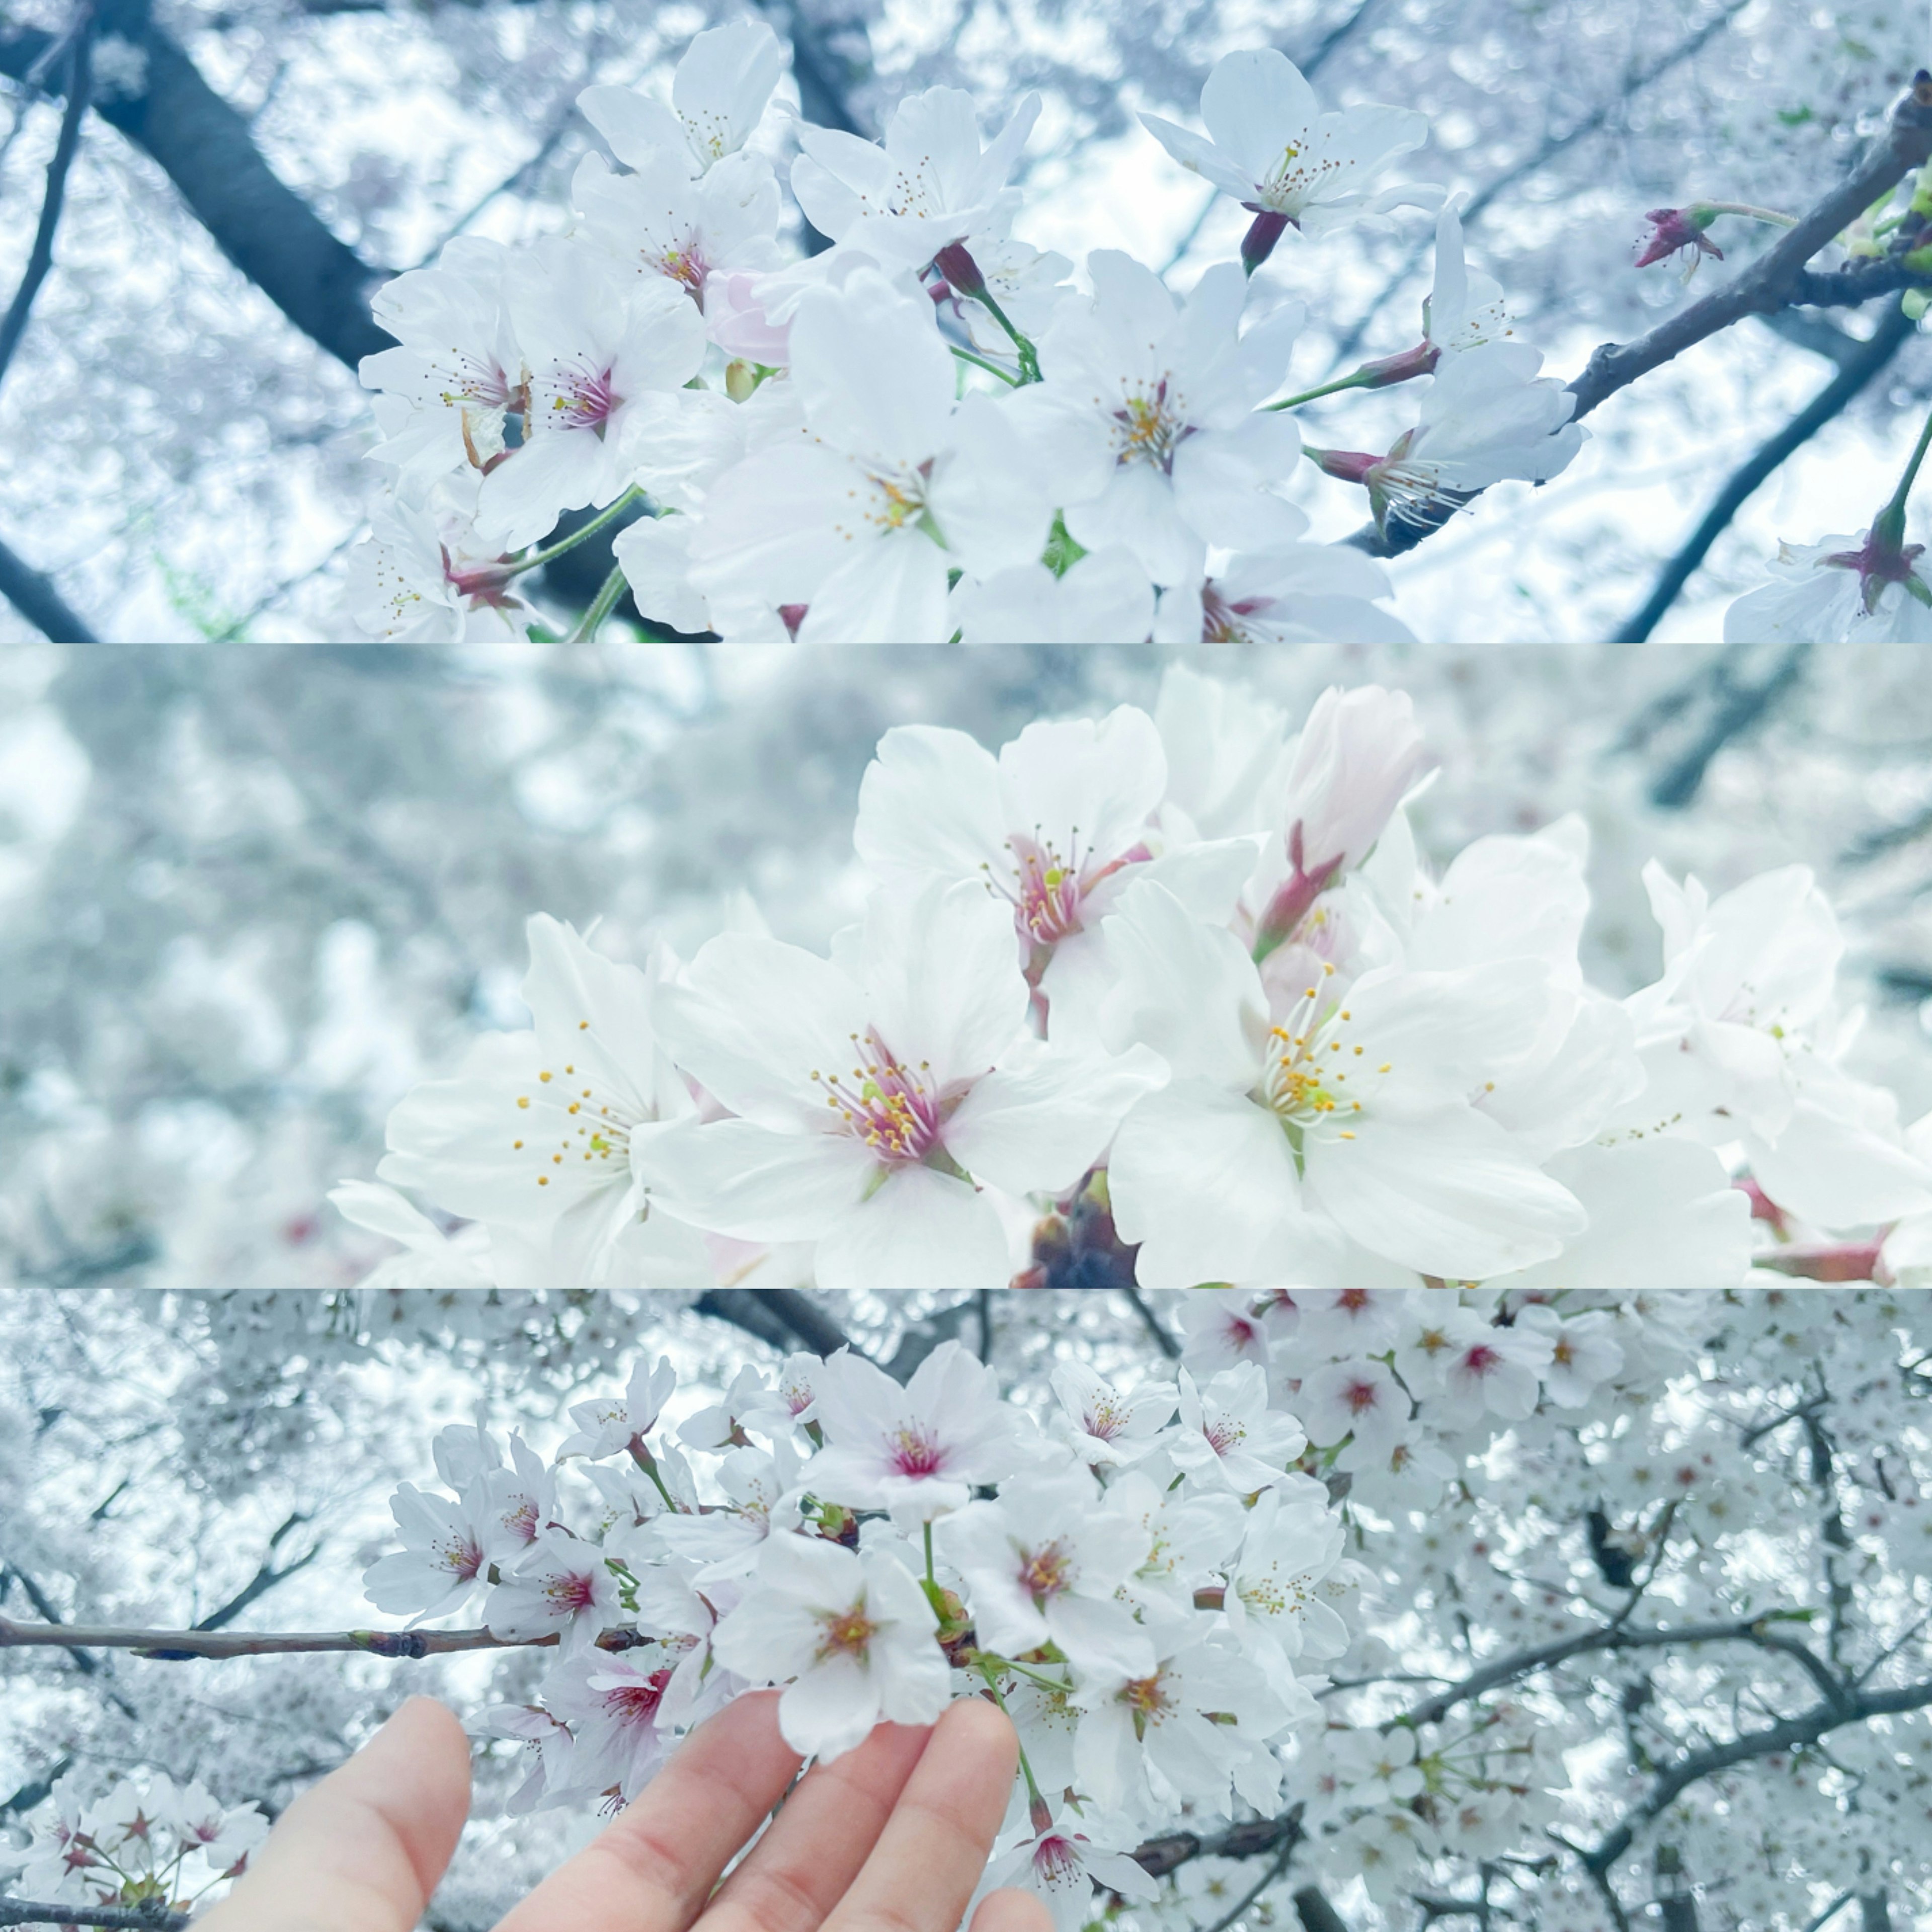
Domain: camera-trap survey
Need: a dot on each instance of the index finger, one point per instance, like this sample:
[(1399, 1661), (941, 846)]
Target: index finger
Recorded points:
[(361, 1851), (653, 1866)]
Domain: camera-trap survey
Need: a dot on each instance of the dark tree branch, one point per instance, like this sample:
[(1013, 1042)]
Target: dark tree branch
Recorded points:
[(1805, 330), (1753, 1631), (1739, 706), (179, 1646), (1253, 1838), (1855, 372), (35, 597), (204, 146), (1771, 283), (1539, 156), (1790, 1734), (31, 1793), (40, 257), (118, 1918), (784, 1317), (1313, 1908), (1155, 1326)]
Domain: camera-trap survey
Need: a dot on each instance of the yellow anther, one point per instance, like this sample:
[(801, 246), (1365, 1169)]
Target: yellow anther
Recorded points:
[(522, 1099), (543, 1180), (543, 1076)]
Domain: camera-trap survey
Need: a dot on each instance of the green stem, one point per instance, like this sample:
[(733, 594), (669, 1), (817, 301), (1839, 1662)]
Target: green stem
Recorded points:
[(1040, 1677), (602, 519), (605, 602), (1894, 512), (1033, 1798), (1029, 356), (980, 362), (1745, 208), (931, 1581), (1358, 380), (644, 1459)]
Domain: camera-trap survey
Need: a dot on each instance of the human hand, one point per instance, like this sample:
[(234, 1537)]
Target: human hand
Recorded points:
[(891, 1838)]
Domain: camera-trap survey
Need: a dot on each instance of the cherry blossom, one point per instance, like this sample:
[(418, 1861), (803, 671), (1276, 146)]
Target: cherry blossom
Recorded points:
[(719, 93), (852, 1633)]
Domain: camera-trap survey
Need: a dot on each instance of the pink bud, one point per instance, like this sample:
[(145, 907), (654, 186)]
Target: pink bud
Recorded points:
[(1675, 229), (959, 267)]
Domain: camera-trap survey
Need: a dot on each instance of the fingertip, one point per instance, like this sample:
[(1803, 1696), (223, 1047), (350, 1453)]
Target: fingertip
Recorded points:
[(1013, 1909), (978, 1724)]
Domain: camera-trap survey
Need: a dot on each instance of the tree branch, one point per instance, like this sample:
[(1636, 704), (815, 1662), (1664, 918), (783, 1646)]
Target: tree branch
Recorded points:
[(779, 1317), (120, 1918), (34, 595), (1253, 1837), (1789, 1735), (1856, 372), (178, 1646), (1614, 1637), (1155, 1326), (261, 224), (1739, 707), (40, 257), (1771, 283)]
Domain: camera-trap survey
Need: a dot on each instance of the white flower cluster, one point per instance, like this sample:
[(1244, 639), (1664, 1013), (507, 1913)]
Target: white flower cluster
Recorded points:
[(1183, 979), (927, 431), (1136, 1580), (154, 1844)]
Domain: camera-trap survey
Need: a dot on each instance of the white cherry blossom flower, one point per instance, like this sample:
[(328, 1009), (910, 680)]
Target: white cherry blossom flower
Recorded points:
[(1843, 589), (857, 524), (718, 96), (431, 1258), (917, 1450), (876, 1091), (1489, 1368), (1272, 148), (929, 185), (1057, 827), (596, 341), (1272, 1602), (533, 1136), (1223, 1326), (1062, 1865), (548, 1781), (425, 578), (1357, 1398), (1487, 417), (562, 1587), (1107, 1426), (442, 1558), (850, 1637), (610, 1426), (658, 221), (1358, 1108), (1583, 1352), (457, 361), (1043, 1565), (613, 1705), (1228, 1434), (1741, 1043), (1147, 418)]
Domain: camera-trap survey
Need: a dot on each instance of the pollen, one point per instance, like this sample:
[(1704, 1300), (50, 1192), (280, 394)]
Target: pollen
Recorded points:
[(543, 1076), (582, 1025), (522, 1099)]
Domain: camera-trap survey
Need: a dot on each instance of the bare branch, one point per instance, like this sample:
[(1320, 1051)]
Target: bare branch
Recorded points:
[(120, 1918), (1790, 1734), (779, 1316), (33, 594), (1523, 1664), (1254, 1837), (1155, 1326), (1856, 371), (176, 1646), (40, 257)]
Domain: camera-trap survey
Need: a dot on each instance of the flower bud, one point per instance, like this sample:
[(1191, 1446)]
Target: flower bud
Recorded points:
[(959, 267), (1674, 229), (741, 380), (1264, 232)]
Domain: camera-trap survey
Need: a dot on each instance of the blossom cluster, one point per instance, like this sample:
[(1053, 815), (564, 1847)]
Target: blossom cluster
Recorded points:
[(152, 1844), (1142, 1578), (931, 429), (1183, 977)]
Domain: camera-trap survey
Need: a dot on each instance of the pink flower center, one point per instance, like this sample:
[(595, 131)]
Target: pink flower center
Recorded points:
[(1481, 1359), (1362, 1396), (847, 1633), (1223, 1434), (1104, 1420), (521, 1520), (1056, 1861), (916, 1452), (636, 1703), (570, 1591), (584, 399), (460, 1557), (890, 1106)]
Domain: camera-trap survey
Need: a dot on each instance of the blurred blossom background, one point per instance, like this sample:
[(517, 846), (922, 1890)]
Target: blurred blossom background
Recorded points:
[(250, 892), (185, 435)]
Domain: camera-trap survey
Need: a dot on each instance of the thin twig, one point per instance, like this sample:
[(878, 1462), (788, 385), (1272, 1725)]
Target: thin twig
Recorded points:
[(1854, 374)]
